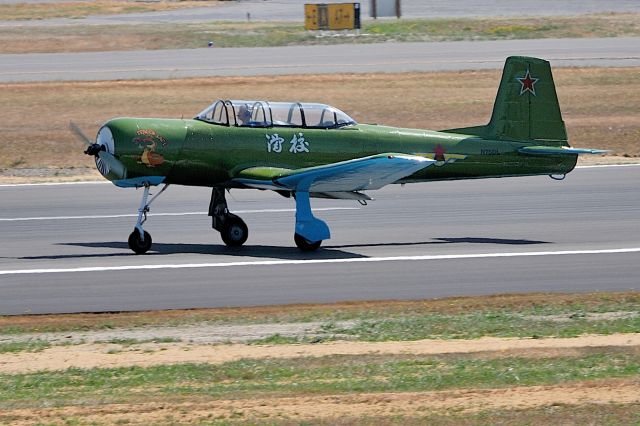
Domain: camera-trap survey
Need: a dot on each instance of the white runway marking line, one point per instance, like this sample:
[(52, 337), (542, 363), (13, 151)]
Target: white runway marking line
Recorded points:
[(320, 261), (115, 216)]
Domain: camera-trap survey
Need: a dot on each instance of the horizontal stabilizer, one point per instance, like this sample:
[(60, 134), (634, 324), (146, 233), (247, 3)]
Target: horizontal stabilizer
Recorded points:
[(559, 150)]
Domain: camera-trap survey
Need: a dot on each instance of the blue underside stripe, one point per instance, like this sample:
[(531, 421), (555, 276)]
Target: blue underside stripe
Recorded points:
[(139, 181)]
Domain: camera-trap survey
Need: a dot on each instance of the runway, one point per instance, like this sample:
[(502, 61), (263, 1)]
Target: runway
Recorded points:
[(347, 58), (64, 246)]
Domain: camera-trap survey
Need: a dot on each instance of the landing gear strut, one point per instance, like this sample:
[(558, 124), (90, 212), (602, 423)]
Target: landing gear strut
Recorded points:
[(233, 230), (140, 240), (310, 231)]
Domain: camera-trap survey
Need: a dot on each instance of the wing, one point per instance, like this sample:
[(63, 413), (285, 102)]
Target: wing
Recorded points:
[(345, 177)]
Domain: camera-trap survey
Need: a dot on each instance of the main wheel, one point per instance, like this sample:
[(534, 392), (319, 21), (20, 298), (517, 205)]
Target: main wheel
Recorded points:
[(235, 232), (304, 244), (137, 245)]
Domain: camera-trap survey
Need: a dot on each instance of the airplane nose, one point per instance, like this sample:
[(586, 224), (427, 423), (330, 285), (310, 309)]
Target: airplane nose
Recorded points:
[(139, 147), (104, 140), (102, 150)]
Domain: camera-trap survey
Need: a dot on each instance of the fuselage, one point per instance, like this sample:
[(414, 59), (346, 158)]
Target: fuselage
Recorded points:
[(197, 153)]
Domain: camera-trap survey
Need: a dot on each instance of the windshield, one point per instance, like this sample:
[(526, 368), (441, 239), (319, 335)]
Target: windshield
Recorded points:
[(241, 113)]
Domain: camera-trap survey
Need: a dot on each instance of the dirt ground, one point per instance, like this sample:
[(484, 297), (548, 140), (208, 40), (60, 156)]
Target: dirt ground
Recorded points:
[(107, 355), (335, 408), (343, 406), (326, 407)]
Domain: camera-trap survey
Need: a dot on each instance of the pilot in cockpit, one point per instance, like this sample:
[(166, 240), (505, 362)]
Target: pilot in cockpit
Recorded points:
[(243, 115)]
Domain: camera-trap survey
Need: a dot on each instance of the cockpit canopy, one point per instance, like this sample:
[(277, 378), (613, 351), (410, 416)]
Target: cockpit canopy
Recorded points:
[(274, 114)]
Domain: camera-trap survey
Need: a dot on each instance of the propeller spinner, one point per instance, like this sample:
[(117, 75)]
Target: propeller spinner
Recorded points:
[(103, 149)]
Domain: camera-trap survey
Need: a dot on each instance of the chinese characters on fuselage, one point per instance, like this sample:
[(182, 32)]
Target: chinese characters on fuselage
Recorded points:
[(298, 143)]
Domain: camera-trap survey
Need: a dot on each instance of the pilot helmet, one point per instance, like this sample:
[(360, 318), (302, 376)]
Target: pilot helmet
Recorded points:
[(244, 112)]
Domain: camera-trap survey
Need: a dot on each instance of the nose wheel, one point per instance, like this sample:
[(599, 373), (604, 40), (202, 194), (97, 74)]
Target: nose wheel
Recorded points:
[(138, 244), (140, 240)]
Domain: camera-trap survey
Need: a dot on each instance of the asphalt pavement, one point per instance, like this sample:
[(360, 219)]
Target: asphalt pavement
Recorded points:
[(64, 246), (348, 58)]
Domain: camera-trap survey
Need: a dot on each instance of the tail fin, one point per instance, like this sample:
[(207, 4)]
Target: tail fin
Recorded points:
[(526, 106)]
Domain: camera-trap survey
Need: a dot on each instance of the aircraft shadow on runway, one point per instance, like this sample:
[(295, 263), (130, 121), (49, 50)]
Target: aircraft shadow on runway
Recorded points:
[(160, 249), (271, 252), (437, 241)]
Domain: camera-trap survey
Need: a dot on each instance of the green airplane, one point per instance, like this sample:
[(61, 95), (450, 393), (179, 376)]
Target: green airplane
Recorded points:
[(305, 150)]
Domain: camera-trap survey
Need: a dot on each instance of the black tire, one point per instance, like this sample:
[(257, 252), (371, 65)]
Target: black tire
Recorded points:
[(304, 244), (137, 245), (235, 232)]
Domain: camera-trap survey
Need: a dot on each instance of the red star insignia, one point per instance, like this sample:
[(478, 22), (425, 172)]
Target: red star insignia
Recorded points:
[(528, 83), (439, 153)]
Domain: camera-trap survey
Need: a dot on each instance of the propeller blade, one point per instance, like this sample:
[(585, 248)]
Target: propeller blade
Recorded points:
[(114, 166), (80, 135)]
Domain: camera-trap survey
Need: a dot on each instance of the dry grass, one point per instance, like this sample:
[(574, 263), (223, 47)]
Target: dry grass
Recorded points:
[(197, 390), (587, 403), (82, 9), (293, 313), (600, 106)]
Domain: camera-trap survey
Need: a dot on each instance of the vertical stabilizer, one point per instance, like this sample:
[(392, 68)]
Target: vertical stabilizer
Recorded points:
[(526, 106)]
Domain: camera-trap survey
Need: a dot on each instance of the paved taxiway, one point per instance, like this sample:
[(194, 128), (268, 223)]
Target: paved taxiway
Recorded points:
[(383, 57), (418, 241)]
